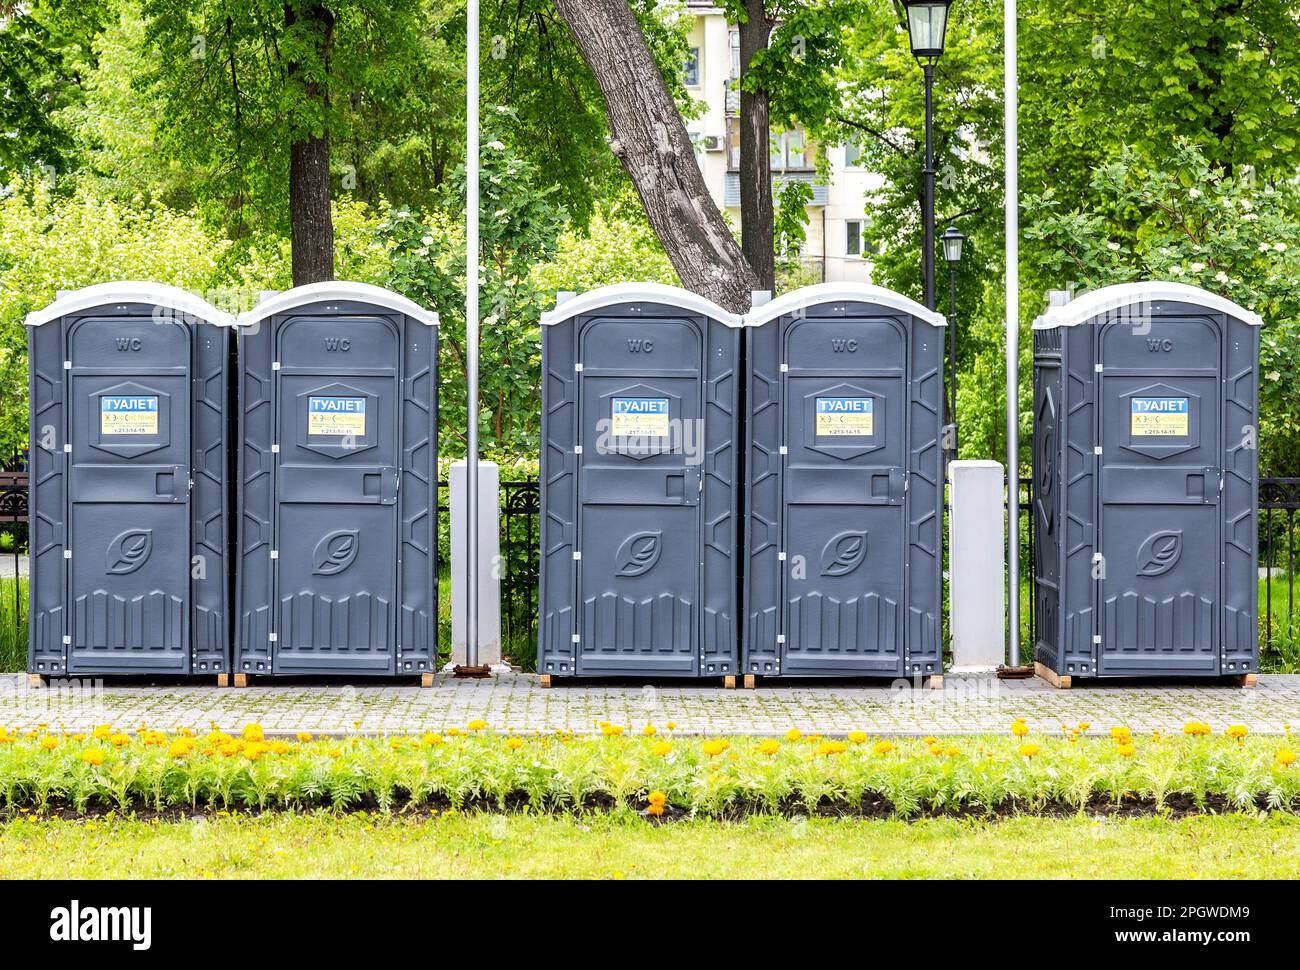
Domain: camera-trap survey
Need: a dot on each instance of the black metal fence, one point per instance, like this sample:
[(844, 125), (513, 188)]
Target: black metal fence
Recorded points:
[(1279, 502)]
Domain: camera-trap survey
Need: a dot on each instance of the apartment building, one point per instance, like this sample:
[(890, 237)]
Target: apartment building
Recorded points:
[(835, 249)]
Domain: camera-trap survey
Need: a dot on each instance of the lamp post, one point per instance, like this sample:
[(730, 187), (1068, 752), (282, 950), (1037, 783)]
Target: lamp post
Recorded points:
[(927, 26), (952, 240)]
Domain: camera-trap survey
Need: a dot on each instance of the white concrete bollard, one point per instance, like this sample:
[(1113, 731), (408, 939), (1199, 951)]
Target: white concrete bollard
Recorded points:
[(489, 562), (977, 565)]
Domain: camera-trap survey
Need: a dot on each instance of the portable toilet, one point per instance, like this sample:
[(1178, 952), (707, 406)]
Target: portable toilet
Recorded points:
[(844, 479), (1145, 475), (640, 426), (337, 485), (128, 507)]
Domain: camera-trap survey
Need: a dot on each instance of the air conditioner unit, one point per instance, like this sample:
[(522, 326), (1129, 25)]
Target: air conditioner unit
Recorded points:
[(712, 143)]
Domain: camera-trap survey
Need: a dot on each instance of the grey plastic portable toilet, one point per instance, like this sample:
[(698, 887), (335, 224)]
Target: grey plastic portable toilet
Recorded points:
[(1145, 476), (640, 426), (128, 391), (845, 485), (337, 485)]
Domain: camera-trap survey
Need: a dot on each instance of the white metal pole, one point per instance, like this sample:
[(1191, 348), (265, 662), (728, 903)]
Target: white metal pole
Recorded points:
[(1013, 335), (471, 331)]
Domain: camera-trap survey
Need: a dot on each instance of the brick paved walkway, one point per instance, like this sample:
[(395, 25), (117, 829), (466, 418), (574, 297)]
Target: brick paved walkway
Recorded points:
[(966, 705)]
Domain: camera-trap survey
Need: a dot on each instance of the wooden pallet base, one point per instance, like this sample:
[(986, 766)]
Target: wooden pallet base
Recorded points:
[(751, 681), (239, 680), (729, 682), (544, 680), (1247, 680), (37, 680), (1059, 681), (934, 682), (426, 679), (223, 680)]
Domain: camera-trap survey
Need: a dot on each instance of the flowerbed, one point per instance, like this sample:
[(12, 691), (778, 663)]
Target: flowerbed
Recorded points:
[(649, 771)]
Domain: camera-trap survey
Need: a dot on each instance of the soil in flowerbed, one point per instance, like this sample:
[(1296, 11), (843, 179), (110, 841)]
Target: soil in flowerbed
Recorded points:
[(871, 807)]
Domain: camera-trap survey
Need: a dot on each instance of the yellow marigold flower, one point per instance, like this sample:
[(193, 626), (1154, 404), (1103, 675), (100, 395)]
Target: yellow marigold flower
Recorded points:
[(1019, 728), (453, 732), (611, 730), (793, 735), (5, 736), (1121, 734), (514, 744), (649, 730), (716, 747), (78, 738), (1237, 731), (218, 737), (657, 798), (255, 749), (936, 749), (1286, 757), (93, 756), (769, 746), (832, 747), (1125, 749), (1083, 727), (930, 739), (431, 739), (671, 725), (883, 747), (335, 752), (1196, 728), (1029, 750), (102, 731), (858, 737), (155, 738), (279, 747), (304, 736), (178, 749), (662, 749), (477, 725), (952, 752), (253, 732), (49, 742)]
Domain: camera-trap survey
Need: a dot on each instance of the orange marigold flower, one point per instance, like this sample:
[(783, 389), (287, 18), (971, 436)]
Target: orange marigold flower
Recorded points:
[(279, 747), (716, 747), (477, 725), (179, 748), (858, 737), (657, 798), (1030, 750), (93, 756), (649, 730), (304, 736), (1237, 732), (793, 735), (655, 810), (1285, 757), (662, 749), (514, 744), (883, 747), (49, 742), (936, 749), (769, 746), (431, 739)]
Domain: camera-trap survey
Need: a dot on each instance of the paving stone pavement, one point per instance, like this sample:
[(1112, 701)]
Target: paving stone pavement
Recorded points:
[(517, 702)]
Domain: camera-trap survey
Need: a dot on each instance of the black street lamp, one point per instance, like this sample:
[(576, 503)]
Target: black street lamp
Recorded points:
[(952, 240), (927, 26)]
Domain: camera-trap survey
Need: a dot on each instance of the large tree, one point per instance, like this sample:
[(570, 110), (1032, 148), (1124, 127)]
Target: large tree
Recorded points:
[(255, 92), (649, 138)]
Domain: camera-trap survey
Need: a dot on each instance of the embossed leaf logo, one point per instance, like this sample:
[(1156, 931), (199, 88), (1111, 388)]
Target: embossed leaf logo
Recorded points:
[(638, 553), (335, 552), (129, 551), (844, 553), (1160, 553)]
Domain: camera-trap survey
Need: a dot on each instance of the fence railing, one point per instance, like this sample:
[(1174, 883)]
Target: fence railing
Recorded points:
[(1279, 632)]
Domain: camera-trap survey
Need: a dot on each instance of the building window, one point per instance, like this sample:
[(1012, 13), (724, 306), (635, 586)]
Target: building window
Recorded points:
[(853, 237), (789, 151), (852, 156), (692, 68), (735, 54)]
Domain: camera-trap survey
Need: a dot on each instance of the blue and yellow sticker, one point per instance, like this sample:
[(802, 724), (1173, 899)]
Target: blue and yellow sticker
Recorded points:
[(639, 417), (846, 417), (128, 415), (339, 416), (1160, 417)]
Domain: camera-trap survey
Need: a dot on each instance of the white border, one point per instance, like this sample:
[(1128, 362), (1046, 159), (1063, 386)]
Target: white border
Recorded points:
[(1111, 298), (155, 294), (335, 290), (618, 293), (822, 293)]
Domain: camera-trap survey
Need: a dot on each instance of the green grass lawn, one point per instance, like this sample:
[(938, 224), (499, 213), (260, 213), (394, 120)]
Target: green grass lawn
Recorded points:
[(13, 627), (624, 845)]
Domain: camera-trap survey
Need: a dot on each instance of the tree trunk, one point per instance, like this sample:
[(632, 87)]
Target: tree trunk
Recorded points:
[(311, 227), (649, 138), (756, 213)]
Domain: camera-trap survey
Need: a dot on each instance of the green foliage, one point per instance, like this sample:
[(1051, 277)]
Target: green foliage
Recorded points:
[(790, 223), (1190, 222), (521, 228), (714, 778)]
